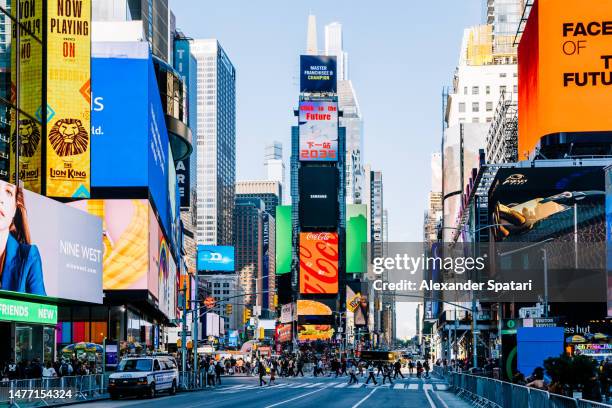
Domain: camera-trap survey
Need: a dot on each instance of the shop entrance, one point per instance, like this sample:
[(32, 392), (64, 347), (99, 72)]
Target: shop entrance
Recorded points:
[(6, 342)]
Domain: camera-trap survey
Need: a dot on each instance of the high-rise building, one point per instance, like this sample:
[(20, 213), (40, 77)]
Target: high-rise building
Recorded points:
[(334, 46), (268, 191), (216, 143), (226, 290), (274, 165), (248, 233), (504, 16), (152, 16), (312, 45)]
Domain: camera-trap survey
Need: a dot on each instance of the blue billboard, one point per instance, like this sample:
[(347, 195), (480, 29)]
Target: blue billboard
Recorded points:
[(213, 258), (318, 73), (130, 145)]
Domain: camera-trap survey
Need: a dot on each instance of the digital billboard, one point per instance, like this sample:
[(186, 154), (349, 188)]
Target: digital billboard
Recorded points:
[(318, 197), (125, 236), (284, 332), (312, 308), (319, 263), (564, 71), (313, 332), (133, 152), (283, 239), (318, 74), (30, 128), (214, 258), (51, 249), (68, 51), (356, 238), (318, 126), (534, 204)]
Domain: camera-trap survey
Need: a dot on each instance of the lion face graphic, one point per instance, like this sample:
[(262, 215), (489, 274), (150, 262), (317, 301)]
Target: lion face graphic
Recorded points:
[(29, 138), (68, 137)]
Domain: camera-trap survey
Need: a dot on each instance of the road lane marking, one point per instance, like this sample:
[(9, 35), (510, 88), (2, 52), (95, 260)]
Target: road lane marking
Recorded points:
[(427, 387), (295, 398), (441, 387), (431, 403), (365, 398), (435, 394), (398, 387), (341, 385), (413, 386)]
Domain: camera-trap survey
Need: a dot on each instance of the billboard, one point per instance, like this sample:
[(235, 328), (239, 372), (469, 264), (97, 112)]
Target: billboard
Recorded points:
[(356, 238), (284, 333), (287, 313), (534, 204), (318, 73), (51, 249), (318, 197), (183, 63), (313, 332), (213, 258), (312, 308), (283, 239), (125, 228), (30, 120), (68, 109), (564, 71), (319, 263), (135, 152), (318, 126)]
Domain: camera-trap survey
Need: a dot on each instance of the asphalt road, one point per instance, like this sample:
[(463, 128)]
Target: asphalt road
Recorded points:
[(307, 392)]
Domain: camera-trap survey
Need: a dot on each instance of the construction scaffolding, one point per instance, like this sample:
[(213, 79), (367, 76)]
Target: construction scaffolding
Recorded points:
[(502, 139)]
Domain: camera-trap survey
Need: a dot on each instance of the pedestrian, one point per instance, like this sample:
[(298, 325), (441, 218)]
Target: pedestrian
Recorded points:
[(387, 373), (379, 367), (398, 369), (272, 372), (300, 367), (353, 378), (371, 374), (410, 367), (218, 371), (592, 390), (11, 371), (261, 369), (426, 368), (419, 369), (48, 371), (343, 367), (211, 373)]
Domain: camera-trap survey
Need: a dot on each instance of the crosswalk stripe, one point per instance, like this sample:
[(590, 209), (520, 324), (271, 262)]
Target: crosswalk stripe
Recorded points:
[(413, 386), (312, 385), (356, 385), (427, 387), (300, 385), (441, 387), (398, 387), (341, 385)]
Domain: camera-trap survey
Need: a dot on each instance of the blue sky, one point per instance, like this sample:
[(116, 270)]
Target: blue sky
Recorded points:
[(401, 54)]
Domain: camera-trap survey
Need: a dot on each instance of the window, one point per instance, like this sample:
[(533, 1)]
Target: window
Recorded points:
[(465, 90), (515, 89), (156, 366), (475, 120), (461, 120), (488, 90), (461, 106), (502, 74), (489, 106), (502, 89), (489, 119), (474, 90), (475, 107)]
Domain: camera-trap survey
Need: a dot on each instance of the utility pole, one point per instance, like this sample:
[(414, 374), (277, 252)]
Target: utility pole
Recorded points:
[(184, 326), (194, 341)]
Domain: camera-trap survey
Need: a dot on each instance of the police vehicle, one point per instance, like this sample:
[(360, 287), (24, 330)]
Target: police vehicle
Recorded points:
[(144, 376)]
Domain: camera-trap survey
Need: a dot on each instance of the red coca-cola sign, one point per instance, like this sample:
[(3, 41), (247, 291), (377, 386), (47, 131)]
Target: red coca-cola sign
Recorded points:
[(319, 262)]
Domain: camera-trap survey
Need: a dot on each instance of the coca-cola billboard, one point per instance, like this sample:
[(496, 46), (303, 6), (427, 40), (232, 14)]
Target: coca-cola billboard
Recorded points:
[(319, 263)]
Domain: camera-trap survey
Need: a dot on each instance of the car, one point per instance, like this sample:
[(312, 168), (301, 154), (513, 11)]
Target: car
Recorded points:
[(144, 376)]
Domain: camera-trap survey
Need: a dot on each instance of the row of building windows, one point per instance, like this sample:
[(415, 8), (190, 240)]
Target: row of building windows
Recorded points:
[(476, 89)]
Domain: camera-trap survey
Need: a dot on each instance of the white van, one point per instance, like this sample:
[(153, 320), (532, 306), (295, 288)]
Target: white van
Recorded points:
[(144, 376)]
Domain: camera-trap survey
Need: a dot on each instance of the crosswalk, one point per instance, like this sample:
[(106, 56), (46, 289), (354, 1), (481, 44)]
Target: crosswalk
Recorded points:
[(396, 386)]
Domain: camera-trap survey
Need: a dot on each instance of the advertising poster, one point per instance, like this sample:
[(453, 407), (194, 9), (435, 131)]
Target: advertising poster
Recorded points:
[(125, 240), (319, 263), (183, 64), (318, 198), (312, 308), (68, 98), (318, 126), (356, 238), (318, 73), (534, 204), (283, 239), (30, 119), (213, 258), (313, 332), (284, 333), (287, 313), (49, 244), (564, 71)]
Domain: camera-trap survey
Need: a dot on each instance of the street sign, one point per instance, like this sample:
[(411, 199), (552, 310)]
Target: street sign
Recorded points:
[(340, 329), (187, 333), (209, 302)]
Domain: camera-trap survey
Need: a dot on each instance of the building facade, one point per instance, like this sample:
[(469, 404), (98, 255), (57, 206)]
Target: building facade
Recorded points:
[(216, 143), (268, 191)]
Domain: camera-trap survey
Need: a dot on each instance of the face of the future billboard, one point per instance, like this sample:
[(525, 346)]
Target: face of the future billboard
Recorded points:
[(317, 73)]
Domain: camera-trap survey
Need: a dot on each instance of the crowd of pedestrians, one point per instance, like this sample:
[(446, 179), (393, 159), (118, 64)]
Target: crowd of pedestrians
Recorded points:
[(34, 369)]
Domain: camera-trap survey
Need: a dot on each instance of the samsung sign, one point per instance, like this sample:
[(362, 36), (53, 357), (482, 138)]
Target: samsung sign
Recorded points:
[(213, 258)]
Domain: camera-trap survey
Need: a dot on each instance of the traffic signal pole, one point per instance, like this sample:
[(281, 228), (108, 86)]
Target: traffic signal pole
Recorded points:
[(184, 326)]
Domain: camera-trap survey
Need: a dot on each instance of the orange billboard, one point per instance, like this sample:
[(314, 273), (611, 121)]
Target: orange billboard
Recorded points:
[(318, 263), (565, 70)]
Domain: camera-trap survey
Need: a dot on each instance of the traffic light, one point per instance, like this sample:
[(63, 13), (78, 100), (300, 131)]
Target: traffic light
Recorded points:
[(229, 309), (275, 301), (247, 315), (261, 333)]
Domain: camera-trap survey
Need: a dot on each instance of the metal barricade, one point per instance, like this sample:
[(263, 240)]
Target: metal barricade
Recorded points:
[(538, 398), (561, 401), (592, 404)]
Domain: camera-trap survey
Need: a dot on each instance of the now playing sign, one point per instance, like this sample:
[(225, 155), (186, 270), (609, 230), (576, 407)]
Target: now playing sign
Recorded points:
[(18, 311)]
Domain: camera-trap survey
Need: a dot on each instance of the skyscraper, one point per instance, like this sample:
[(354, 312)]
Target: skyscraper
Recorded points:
[(334, 46), (216, 143), (266, 190), (275, 166), (312, 45)]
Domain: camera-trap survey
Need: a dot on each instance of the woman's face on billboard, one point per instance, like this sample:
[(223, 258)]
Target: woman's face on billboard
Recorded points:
[(7, 204)]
